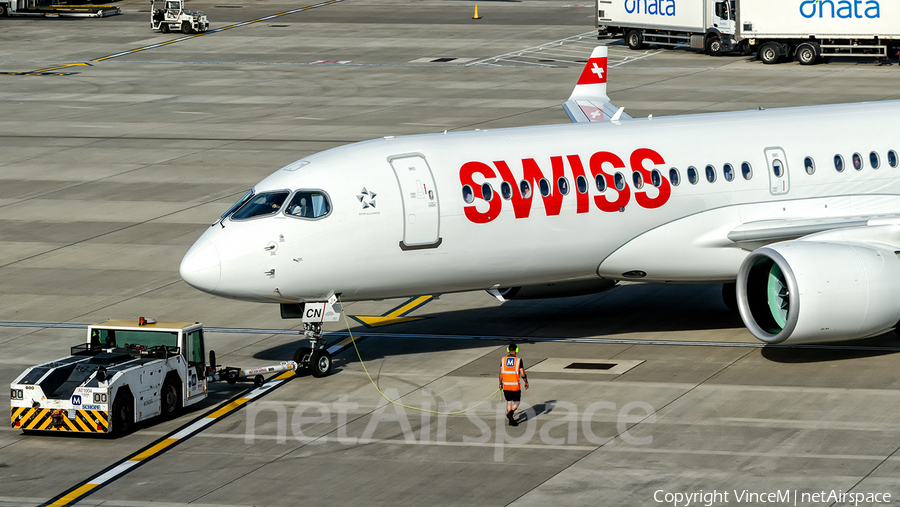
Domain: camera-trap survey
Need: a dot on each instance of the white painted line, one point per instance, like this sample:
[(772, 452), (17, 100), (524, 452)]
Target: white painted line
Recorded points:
[(108, 476), (192, 428)]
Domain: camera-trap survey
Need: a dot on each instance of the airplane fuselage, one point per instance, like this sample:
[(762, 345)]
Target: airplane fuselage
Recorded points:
[(429, 228)]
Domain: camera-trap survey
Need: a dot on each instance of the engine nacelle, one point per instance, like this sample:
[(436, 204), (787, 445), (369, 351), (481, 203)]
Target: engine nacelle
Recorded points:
[(555, 290), (807, 291)]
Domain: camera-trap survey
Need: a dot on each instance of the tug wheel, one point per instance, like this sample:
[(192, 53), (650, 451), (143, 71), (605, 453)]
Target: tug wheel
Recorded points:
[(122, 415), (171, 398)]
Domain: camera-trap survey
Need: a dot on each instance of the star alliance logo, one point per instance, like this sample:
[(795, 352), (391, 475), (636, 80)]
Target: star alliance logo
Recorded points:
[(366, 198)]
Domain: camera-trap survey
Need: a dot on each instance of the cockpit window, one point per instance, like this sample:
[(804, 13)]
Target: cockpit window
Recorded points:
[(236, 205), (310, 204), (267, 203)]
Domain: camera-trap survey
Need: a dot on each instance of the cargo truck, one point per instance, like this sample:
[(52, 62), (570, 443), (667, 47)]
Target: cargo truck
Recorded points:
[(808, 31), (700, 24)]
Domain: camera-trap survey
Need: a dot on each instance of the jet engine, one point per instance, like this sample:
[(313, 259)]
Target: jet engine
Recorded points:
[(554, 290), (806, 291)]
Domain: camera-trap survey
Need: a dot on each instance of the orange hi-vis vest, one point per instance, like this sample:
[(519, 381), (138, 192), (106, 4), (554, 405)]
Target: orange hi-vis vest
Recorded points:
[(509, 373)]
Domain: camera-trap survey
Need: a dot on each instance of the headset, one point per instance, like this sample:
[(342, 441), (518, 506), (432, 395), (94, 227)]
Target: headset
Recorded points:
[(513, 348)]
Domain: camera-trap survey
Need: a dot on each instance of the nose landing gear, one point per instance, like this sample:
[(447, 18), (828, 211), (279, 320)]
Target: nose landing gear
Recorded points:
[(314, 359)]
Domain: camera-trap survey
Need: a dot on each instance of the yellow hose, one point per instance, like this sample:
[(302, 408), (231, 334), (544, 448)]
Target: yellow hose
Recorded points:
[(390, 400)]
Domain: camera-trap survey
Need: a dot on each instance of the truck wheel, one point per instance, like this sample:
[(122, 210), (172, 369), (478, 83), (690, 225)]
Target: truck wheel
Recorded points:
[(170, 397), (807, 54), (635, 39), (303, 358), (322, 364), (186, 27), (714, 45), (122, 415), (164, 27), (2, 10), (769, 53)]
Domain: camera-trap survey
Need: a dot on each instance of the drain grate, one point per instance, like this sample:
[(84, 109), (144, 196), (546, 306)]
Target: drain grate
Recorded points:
[(591, 366), (582, 366)]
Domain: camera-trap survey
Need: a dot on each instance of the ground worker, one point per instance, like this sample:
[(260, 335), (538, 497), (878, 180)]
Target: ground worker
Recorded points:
[(511, 369)]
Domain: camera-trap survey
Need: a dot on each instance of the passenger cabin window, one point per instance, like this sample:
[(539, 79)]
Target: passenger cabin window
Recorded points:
[(857, 162), (506, 190), (674, 176), (710, 174), (309, 204), (545, 187), (656, 178), (892, 158), (600, 181), (810, 165), (728, 172), (619, 181), (581, 184), (874, 160), (839, 163), (468, 195), (487, 192), (267, 203), (746, 170), (693, 177), (525, 187), (638, 180), (563, 185)]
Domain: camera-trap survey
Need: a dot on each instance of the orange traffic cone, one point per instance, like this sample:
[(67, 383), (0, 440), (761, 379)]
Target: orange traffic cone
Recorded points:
[(476, 16)]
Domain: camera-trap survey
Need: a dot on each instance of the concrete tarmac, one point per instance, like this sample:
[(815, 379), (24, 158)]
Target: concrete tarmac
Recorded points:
[(110, 171)]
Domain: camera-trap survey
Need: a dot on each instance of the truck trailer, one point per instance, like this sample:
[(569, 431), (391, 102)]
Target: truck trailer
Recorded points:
[(812, 30), (775, 30)]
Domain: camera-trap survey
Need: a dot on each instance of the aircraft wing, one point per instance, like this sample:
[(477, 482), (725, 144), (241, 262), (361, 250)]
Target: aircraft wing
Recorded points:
[(767, 231), (589, 102)]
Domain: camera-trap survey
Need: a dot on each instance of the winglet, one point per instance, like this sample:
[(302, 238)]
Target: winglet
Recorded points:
[(589, 101)]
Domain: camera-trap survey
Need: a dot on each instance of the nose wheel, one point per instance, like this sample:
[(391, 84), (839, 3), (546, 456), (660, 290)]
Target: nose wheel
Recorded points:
[(314, 359)]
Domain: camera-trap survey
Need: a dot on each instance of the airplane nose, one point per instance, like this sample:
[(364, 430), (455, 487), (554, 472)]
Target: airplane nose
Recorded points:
[(201, 267)]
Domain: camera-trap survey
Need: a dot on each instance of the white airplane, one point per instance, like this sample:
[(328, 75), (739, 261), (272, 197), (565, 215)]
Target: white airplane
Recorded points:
[(798, 215)]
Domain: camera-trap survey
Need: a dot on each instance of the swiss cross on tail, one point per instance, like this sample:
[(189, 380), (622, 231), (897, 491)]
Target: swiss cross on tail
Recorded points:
[(594, 72), (589, 102)]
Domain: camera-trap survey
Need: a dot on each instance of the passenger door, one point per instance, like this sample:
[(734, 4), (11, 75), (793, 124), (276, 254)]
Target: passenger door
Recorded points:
[(421, 211)]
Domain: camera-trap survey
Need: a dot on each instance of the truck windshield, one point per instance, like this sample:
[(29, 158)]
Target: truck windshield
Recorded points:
[(137, 340), (261, 205)]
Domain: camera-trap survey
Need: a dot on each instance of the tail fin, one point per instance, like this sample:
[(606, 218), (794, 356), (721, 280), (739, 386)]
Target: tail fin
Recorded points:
[(589, 102)]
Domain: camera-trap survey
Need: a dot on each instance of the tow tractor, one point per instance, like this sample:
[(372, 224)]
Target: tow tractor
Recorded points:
[(172, 16), (126, 372), (54, 9)]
